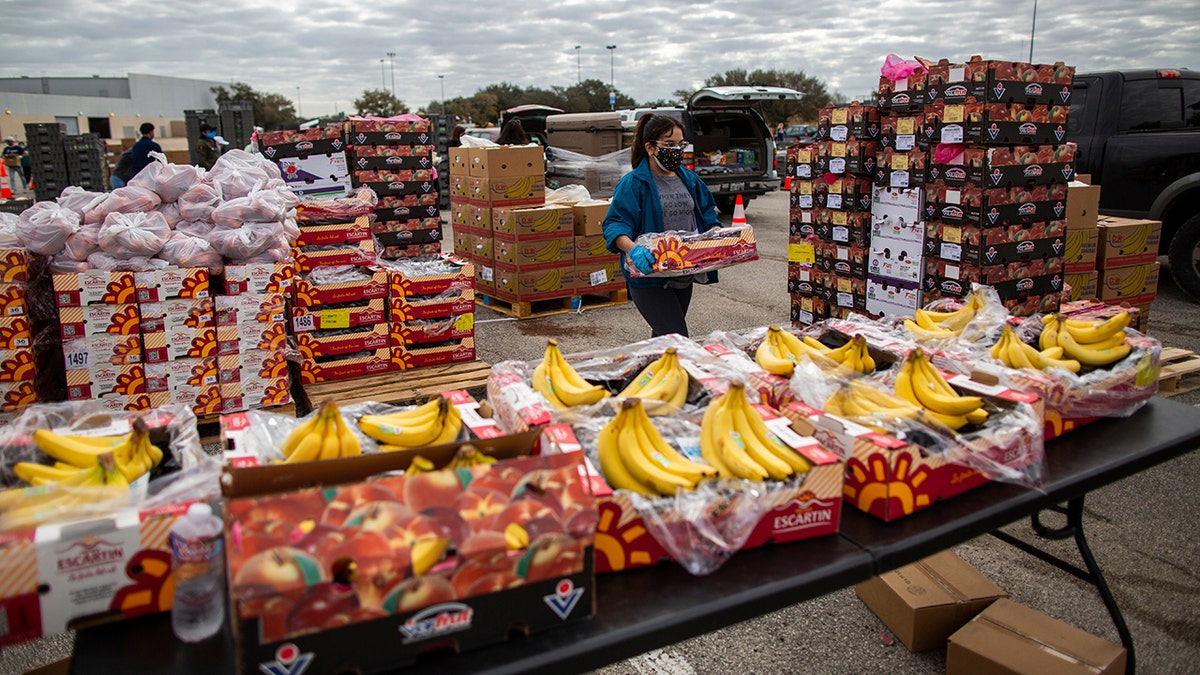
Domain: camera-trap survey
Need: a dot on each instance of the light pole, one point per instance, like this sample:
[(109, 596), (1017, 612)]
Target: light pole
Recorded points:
[(392, 65), (299, 109), (612, 51), (578, 67), (442, 83), (1032, 28), (382, 76)]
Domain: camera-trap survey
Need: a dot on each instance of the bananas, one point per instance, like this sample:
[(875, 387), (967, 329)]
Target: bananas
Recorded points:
[(735, 440), (133, 455), (779, 351), (550, 251), (324, 435), (919, 383), (856, 399), (634, 456), (1136, 241), (1135, 282), (521, 187), (1089, 343), (435, 422), (101, 482), (945, 324), (1073, 247), (1014, 353), (663, 380), (468, 456), (550, 280), (558, 382), (852, 357)]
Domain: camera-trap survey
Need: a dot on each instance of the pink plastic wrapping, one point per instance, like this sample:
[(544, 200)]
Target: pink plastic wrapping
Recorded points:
[(83, 243), (128, 199), (246, 241), (167, 180), (187, 251), (127, 235), (897, 68), (170, 213), (61, 265), (77, 199), (195, 228), (103, 261), (261, 206), (679, 254), (318, 209), (44, 227), (291, 231), (199, 201), (238, 173)]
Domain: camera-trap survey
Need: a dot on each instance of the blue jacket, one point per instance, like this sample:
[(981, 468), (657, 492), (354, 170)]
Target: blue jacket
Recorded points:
[(141, 153), (636, 209)]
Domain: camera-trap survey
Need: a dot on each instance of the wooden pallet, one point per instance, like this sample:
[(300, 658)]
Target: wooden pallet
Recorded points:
[(209, 426), (540, 308), (402, 386), (1180, 372)]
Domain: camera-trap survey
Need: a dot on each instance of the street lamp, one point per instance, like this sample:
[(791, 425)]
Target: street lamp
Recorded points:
[(1032, 28), (299, 110), (578, 67), (442, 83), (382, 76), (612, 51), (392, 65)]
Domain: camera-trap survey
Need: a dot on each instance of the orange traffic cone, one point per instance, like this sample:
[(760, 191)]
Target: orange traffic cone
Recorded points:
[(5, 186), (739, 212), (787, 184)]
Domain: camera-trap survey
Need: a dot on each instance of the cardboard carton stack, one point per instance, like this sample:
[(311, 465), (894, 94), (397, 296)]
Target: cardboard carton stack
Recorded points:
[(597, 270), (830, 214), (313, 161), (1126, 255), (100, 327), (179, 338), (431, 313), (1079, 251), (341, 325), (995, 201), (251, 323), (17, 358), (395, 159)]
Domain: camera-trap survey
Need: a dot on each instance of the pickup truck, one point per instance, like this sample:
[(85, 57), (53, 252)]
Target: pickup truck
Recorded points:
[(1138, 135)]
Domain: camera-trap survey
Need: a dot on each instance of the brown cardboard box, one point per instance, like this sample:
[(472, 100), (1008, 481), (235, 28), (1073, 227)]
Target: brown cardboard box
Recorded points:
[(535, 254), (1124, 242), (592, 249), (494, 161), (542, 222), (1135, 285), (1009, 638), (1083, 205), (589, 217), (925, 602), (1079, 253), (1083, 285)]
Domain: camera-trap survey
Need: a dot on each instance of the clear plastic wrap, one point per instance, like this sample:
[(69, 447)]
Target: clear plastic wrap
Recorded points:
[(679, 253), (128, 199), (564, 167), (61, 265), (569, 195), (77, 199), (8, 230), (185, 250), (982, 328), (246, 241), (129, 235), (102, 261), (291, 231), (170, 213), (318, 209), (337, 274), (195, 228), (261, 206), (238, 173), (277, 251), (44, 227), (199, 201), (168, 181), (83, 243)]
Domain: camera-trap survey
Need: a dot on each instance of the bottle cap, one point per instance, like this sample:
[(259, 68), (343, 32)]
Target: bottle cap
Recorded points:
[(199, 510)]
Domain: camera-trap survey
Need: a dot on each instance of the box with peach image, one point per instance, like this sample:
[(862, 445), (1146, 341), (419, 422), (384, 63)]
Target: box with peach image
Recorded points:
[(438, 558)]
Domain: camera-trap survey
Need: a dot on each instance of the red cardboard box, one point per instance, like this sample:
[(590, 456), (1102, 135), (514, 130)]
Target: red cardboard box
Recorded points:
[(360, 254), (419, 356), (425, 331), (994, 244), (313, 371), (1015, 166), (1124, 242), (368, 313), (404, 284), (90, 288), (259, 278), (364, 338), (431, 306), (996, 206), (311, 294), (347, 232)]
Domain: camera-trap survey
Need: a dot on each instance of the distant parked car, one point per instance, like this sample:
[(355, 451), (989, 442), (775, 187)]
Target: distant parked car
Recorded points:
[(489, 133), (799, 133)]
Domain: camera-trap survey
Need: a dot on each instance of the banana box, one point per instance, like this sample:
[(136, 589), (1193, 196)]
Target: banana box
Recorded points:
[(1079, 252), (12, 300), (482, 247), (357, 254), (592, 248), (77, 322), (461, 242), (588, 217), (405, 357), (118, 566), (101, 379), (180, 343), (598, 277), (347, 232), (106, 349), (1124, 242), (543, 222), (171, 282), (460, 214), (1082, 285), (94, 287), (810, 509), (458, 185), (485, 275), (250, 364), (259, 278), (534, 285), (479, 218), (1135, 285), (410, 251), (15, 396), (450, 303), (267, 335), (424, 331), (158, 317), (533, 254), (313, 371), (1083, 205), (366, 313), (234, 310), (317, 344), (372, 284), (507, 191), (506, 160)]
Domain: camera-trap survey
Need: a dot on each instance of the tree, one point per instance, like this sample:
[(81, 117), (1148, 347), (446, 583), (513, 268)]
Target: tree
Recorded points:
[(816, 95), (379, 103), (271, 111)]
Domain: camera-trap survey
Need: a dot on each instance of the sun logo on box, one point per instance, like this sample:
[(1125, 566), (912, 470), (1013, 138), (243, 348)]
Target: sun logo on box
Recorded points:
[(670, 254), (615, 541), (875, 487)]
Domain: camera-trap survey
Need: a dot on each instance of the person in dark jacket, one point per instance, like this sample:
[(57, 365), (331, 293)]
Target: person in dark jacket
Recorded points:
[(207, 151), (144, 146), (513, 134), (456, 136), (657, 196)]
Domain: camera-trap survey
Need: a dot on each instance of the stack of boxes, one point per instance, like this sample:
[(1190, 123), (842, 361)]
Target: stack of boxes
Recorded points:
[(251, 321), (313, 161), (995, 201), (100, 327), (395, 159), (597, 270), (179, 338), (329, 317), (17, 363), (1126, 255), (1079, 250), (431, 307)]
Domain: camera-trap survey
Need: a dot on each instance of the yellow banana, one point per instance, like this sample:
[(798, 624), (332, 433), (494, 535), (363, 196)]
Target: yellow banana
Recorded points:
[(1090, 332), (1055, 352), (330, 442), (298, 434), (708, 438), (1091, 357), (567, 385), (428, 551), (451, 427), (930, 396), (309, 447), (29, 471), (769, 441), (418, 428), (637, 460), (661, 452), (73, 450), (348, 443), (611, 465), (791, 343), (775, 467), (770, 358), (1050, 328), (729, 445)]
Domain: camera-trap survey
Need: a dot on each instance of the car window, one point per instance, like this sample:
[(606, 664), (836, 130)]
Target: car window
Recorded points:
[(1079, 98), (1191, 103), (1146, 105)]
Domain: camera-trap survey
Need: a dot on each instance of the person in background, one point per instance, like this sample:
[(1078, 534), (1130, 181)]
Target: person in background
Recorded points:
[(779, 133), (123, 171), (513, 134), (207, 151), (456, 136), (26, 168), (144, 146), (657, 196), (13, 153)]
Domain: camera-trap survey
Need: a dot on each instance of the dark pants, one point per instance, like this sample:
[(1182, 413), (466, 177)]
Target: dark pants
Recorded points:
[(665, 309)]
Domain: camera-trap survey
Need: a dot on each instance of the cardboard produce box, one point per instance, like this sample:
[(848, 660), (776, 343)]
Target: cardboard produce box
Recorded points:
[(589, 217), (313, 371), (527, 190), (543, 222), (1079, 249), (254, 278), (1011, 638), (1083, 285), (534, 285), (408, 356), (924, 603), (495, 161), (172, 282), (1135, 285), (94, 287), (1125, 241), (528, 255), (1083, 205)]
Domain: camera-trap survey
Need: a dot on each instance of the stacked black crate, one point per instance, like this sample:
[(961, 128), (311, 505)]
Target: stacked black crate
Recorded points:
[(192, 121), (237, 123), (43, 143), (86, 165), (395, 159), (443, 128)]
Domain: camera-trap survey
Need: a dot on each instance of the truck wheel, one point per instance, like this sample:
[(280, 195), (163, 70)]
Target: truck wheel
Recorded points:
[(725, 205), (1184, 256)]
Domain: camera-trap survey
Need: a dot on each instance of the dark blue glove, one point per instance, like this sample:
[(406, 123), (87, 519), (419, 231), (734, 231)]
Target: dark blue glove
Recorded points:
[(642, 259)]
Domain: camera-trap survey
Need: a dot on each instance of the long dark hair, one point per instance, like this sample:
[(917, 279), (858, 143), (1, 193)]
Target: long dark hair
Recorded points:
[(650, 128), (513, 134)]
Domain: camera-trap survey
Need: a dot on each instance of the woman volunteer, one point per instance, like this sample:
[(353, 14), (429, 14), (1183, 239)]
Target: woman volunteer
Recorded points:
[(657, 196)]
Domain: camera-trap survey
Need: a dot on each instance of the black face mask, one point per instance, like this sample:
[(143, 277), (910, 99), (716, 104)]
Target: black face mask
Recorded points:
[(670, 158)]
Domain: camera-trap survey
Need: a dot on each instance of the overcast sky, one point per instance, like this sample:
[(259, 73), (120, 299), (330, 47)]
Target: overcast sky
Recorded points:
[(332, 50)]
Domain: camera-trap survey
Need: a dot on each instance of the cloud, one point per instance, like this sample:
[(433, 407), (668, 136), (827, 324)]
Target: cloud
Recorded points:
[(332, 50)]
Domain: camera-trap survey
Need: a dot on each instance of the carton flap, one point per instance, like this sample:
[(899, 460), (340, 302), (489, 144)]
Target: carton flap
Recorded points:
[(941, 579), (1027, 641)]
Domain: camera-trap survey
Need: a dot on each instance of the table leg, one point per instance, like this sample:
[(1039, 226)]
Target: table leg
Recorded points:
[(1074, 529)]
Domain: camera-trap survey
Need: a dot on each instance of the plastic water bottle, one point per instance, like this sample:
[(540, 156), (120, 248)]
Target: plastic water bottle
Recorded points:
[(197, 563)]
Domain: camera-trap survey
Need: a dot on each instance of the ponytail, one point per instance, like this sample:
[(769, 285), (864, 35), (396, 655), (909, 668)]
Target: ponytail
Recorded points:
[(649, 129)]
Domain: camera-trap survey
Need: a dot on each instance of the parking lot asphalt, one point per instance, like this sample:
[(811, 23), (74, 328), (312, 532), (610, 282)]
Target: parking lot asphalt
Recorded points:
[(1139, 528)]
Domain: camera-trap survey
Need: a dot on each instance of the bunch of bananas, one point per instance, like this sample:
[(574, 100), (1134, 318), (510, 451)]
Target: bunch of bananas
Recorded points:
[(22, 508), (1091, 343), (918, 382), (663, 380), (550, 251), (945, 324), (735, 440), (780, 351), (1136, 241), (520, 187), (325, 435), (1014, 353), (549, 281), (634, 456), (1132, 284), (435, 422), (133, 454), (468, 456), (858, 399), (852, 356), (558, 382)]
